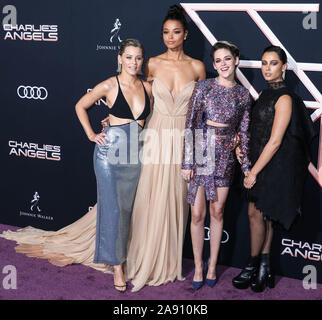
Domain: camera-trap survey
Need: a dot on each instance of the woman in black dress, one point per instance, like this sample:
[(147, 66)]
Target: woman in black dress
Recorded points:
[(280, 135)]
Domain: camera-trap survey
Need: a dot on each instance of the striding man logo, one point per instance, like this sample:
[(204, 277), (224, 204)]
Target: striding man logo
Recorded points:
[(115, 31), (34, 202)]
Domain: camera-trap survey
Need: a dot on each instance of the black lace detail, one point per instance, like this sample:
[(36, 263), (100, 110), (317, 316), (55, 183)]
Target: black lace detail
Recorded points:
[(276, 85), (262, 119), (278, 189)]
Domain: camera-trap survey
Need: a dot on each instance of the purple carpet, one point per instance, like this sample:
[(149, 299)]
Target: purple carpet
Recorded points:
[(37, 279)]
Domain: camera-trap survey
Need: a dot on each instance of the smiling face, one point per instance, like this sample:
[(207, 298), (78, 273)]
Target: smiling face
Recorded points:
[(131, 60), (173, 34), (225, 63), (272, 67)]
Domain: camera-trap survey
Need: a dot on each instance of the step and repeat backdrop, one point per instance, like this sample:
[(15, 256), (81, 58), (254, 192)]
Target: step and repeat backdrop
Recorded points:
[(53, 52)]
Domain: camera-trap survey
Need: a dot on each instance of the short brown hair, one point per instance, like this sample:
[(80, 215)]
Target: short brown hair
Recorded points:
[(225, 45)]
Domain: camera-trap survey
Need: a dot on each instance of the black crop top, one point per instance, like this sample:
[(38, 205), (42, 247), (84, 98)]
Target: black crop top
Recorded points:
[(121, 108)]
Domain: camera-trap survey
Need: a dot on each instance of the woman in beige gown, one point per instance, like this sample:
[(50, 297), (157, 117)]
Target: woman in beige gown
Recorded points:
[(160, 210)]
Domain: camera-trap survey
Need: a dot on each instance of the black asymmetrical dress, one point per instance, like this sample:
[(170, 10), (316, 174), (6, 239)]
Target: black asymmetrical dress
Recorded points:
[(277, 192)]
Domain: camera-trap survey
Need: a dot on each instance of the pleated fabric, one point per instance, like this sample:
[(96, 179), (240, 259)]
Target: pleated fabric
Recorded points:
[(160, 210), (74, 243)]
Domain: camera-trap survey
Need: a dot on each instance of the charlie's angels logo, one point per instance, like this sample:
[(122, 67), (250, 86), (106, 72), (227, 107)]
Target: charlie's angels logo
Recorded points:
[(29, 32), (301, 249), (252, 10), (33, 150)]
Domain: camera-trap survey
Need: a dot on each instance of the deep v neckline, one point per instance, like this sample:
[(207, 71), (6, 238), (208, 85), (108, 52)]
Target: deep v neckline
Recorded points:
[(167, 87), (128, 105)]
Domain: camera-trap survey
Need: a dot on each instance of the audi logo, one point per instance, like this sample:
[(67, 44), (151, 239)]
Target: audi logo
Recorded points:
[(27, 92), (225, 235)]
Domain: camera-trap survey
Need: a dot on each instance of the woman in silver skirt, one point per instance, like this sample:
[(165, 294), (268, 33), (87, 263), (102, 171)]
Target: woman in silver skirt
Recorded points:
[(116, 156)]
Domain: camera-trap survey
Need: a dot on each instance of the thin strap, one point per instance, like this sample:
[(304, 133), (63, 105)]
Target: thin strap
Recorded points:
[(117, 78), (144, 91), (142, 84)]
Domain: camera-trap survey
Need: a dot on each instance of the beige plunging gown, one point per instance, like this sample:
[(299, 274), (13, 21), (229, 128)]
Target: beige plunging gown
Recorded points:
[(160, 209)]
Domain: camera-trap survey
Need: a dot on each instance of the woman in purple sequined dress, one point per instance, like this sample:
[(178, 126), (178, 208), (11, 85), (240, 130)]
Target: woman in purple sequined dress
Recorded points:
[(218, 110)]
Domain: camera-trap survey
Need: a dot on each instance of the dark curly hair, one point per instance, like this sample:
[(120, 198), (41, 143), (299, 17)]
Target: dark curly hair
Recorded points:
[(176, 13)]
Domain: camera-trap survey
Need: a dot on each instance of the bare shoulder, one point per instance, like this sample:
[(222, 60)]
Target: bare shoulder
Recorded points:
[(153, 61), (104, 88), (283, 106), (285, 99), (108, 84), (148, 87), (199, 68), (150, 67), (159, 58), (198, 64)]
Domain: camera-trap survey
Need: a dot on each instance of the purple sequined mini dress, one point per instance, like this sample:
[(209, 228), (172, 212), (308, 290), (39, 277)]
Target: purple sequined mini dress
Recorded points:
[(208, 150)]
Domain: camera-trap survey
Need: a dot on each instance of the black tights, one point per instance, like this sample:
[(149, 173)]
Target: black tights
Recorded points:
[(261, 231)]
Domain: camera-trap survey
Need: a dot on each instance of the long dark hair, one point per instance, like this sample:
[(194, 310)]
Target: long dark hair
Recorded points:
[(280, 52)]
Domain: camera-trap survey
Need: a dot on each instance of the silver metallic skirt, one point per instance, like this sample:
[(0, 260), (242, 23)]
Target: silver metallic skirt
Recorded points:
[(117, 167)]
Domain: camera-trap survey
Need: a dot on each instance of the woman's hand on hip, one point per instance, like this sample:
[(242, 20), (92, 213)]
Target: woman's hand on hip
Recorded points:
[(105, 122), (98, 138)]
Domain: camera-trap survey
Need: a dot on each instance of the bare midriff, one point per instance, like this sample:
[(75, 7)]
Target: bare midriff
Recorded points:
[(115, 121), (216, 124)]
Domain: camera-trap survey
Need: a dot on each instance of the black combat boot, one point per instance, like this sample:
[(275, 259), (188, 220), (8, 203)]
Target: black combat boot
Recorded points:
[(244, 279), (264, 277)]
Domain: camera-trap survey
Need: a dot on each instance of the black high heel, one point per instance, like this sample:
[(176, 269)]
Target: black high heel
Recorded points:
[(271, 281), (244, 279), (120, 288), (264, 277)]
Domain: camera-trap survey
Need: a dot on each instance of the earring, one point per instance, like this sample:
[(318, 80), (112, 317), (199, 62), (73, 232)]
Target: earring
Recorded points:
[(185, 38), (119, 67), (283, 74)]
